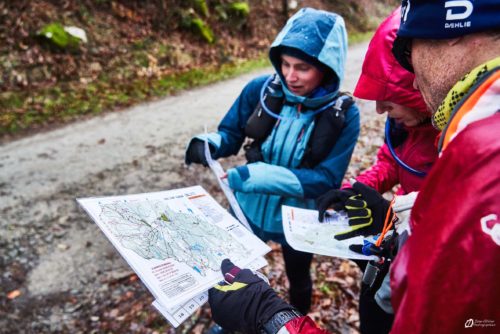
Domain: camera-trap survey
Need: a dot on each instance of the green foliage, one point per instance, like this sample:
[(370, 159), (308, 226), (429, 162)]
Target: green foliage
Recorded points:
[(190, 20), (200, 27), (55, 34), (240, 9), (234, 13), (10, 100), (142, 44), (141, 59), (325, 289), (201, 7)]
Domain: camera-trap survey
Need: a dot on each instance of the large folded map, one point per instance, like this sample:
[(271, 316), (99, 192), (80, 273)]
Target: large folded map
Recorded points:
[(174, 240)]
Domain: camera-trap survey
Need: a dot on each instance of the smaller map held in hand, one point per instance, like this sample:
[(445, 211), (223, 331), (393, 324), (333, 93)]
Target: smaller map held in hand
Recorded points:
[(305, 233)]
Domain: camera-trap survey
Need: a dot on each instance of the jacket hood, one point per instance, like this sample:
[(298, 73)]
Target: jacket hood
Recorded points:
[(382, 77), (320, 35)]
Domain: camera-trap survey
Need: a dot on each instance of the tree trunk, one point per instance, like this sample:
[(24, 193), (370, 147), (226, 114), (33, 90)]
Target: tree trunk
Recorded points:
[(285, 10)]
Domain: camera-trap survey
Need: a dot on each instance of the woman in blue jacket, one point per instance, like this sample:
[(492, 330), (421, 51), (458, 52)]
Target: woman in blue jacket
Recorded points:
[(304, 133)]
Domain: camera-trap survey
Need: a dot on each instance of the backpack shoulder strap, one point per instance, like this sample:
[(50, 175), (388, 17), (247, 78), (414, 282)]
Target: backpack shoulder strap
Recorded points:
[(328, 128), (344, 101), (261, 123)]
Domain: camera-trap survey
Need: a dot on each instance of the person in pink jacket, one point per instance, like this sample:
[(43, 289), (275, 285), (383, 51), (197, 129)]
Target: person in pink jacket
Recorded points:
[(383, 80), (405, 158), (411, 134), (410, 148)]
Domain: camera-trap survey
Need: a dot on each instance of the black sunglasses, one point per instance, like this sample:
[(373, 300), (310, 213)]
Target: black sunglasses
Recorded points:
[(402, 52)]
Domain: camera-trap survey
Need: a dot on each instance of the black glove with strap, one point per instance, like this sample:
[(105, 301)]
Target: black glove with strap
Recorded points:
[(367, 212), (195, 152), (247, 304), (334, 199)]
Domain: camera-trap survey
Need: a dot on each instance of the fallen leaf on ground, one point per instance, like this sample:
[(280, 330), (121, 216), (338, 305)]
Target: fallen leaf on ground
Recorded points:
[(14, 294)]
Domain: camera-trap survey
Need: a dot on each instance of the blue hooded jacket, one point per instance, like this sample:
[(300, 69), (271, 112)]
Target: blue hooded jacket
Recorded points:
[(263, 187)]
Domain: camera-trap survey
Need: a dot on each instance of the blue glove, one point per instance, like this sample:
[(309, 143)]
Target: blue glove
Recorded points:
[(260, 177)]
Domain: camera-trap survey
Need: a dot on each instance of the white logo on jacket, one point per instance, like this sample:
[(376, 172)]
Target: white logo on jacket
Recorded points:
[(491, 226)]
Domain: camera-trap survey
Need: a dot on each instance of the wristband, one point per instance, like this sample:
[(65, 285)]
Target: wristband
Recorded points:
[(278, 320)]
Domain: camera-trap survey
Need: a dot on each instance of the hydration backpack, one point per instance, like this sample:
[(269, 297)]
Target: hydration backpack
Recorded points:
[(328, 125)]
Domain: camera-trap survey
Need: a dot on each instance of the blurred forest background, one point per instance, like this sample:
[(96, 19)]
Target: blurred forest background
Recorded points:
[(64, 59)]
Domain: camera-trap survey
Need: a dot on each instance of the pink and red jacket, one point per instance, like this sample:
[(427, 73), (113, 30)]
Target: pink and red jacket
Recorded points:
[(383, 79), (446, 278)]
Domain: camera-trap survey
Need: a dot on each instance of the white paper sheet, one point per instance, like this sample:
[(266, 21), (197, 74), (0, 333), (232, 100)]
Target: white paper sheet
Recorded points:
[(219, 172), (305, 233)]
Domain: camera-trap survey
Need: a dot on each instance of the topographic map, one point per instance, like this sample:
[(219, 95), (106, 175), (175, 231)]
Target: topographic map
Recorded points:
[(155, 231), (175, 241)]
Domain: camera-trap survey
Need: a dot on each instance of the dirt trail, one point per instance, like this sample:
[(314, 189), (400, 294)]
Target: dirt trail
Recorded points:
[(51, 251)]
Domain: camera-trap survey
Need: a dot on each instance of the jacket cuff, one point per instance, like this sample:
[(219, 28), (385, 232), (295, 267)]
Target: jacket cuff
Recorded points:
[(278, 321)]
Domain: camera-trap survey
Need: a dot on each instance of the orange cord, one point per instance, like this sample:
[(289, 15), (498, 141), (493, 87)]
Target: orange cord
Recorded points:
[(388, 223)]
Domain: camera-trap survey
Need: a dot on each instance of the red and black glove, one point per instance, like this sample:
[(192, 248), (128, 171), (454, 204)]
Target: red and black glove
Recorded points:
[(247, 304)]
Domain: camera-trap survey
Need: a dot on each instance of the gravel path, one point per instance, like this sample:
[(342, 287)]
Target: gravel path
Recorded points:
[(68, 276)]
